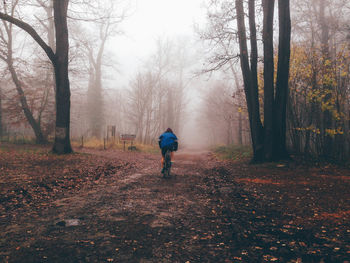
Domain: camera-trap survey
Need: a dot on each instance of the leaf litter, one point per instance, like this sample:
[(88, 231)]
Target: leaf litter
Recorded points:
[(113, 206)]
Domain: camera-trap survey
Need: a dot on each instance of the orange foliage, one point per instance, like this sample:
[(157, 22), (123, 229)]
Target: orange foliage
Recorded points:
[(258, 181)]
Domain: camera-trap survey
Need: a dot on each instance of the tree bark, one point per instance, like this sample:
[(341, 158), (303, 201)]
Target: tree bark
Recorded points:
[(327, 89), (282, 88), (239, 131), (62, 136), (268, 6), (250, 90), (254, 46)]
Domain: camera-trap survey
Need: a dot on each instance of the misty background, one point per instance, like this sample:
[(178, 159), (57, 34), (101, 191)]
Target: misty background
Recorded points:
[(144, 66)]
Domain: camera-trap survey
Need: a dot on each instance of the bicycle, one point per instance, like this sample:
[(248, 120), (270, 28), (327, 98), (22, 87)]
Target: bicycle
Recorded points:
[(167, 164)]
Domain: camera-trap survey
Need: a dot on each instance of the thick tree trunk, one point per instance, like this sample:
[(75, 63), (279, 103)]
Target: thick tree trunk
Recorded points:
[(280, 148), (251, 91), (62, 137), (268, 6), (346, 135), (95, 102), (170, 110), (95, 98), (253, 46), (327, 89), (239, 114), (98, 101), (240, 137)]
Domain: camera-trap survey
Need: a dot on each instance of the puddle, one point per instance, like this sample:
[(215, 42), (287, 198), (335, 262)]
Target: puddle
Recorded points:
[(72, 222), (69, 222)]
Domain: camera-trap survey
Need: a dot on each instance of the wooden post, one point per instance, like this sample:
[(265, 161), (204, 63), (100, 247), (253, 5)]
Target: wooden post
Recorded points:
[(104, 143), (124, 146), (82, 141)]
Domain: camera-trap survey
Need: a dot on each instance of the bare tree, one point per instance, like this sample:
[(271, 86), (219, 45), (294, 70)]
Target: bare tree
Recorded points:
[(106, 23), (59, 60), (6, 54)]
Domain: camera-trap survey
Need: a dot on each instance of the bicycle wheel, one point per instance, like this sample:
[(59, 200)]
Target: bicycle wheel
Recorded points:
[(167, 164)]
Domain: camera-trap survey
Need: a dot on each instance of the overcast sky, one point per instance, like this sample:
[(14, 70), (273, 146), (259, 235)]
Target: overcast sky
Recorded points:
[(149, 20)]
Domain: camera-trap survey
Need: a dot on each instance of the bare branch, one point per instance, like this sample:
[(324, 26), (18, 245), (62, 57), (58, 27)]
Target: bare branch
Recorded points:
[(31, 31)]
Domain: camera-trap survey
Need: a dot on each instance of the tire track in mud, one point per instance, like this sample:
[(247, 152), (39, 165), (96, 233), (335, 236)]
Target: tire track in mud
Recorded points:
[(140, 191)]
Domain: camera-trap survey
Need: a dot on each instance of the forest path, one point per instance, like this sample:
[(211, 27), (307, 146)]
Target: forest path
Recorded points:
[(113, 206)]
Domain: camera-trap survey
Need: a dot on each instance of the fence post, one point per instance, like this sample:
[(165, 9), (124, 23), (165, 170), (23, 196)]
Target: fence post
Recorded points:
[(82, 141), (104, 143)]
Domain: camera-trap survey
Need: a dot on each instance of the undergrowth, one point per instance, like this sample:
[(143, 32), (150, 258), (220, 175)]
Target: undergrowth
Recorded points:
[(232, 152), (95, 143)]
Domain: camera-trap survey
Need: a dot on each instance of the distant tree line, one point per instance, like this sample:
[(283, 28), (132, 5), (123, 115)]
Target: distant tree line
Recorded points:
[(38, 98)]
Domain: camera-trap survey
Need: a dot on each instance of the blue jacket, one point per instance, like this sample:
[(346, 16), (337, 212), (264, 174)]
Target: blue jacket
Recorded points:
[(167, 139)]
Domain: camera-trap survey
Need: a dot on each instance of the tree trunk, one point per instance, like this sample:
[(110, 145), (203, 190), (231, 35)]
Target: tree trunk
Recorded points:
[(240, 140), (239, 132), (268, 6), (98, 99), (40, 138), (254, 46), (327, 89), (346, 135), (251, 91), (170, 117), (62, 136), (282, 89)]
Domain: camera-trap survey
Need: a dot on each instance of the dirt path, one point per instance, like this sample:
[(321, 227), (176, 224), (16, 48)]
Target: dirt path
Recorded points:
[(208, 211)]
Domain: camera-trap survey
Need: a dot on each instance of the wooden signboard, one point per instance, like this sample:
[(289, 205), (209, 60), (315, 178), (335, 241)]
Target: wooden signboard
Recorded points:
[(128, 137)]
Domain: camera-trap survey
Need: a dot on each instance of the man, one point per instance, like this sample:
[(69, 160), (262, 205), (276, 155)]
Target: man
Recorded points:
[(167, 141)]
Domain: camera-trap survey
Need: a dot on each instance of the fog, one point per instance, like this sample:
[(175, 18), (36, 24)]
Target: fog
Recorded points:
[(144, 66)]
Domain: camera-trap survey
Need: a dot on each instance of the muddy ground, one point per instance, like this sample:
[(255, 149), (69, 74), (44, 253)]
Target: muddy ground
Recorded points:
[(114, 206)]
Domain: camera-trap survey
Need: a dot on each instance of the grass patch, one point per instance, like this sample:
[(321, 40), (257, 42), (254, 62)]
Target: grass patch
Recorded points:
[(154, 149), (232, 152), (95, 143), (24, 148)]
